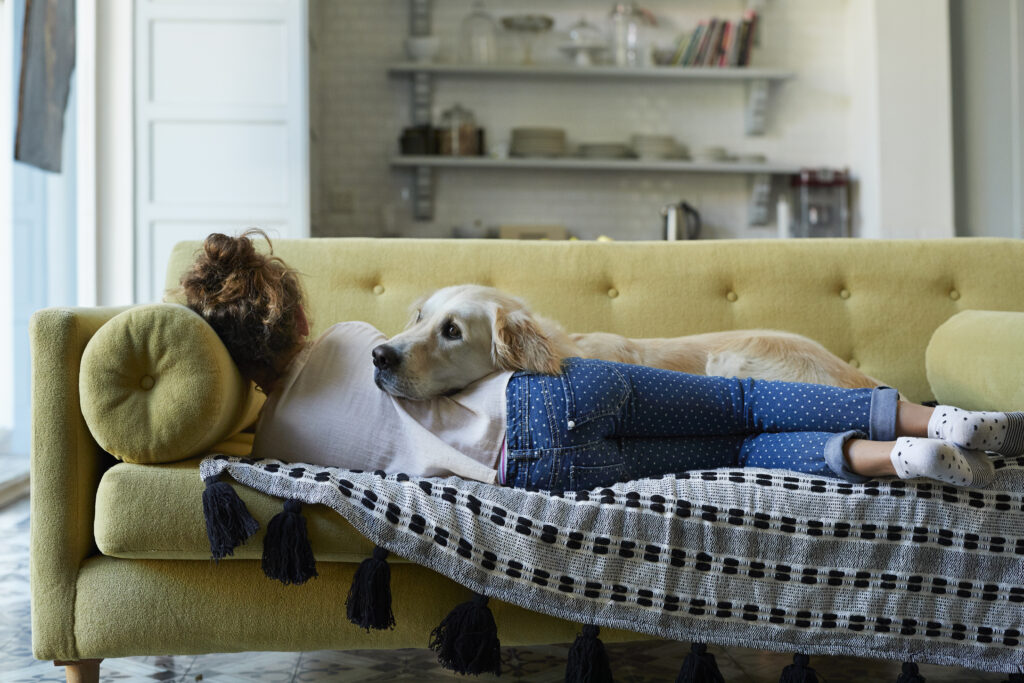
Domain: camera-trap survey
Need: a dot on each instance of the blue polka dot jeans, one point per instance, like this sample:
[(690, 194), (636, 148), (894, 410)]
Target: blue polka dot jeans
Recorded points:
[(599, 423)]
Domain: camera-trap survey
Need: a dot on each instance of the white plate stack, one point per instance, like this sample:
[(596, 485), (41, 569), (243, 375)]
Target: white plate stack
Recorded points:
[(537, 142)]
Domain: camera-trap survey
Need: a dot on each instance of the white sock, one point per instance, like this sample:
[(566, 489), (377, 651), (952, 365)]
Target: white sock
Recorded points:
[(1001, 433), (940, 460)]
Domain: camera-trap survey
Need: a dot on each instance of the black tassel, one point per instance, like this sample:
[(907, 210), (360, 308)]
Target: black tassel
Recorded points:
[(228, 522), (287, 556), (466, 641), (798, 671), (369, 598), (588, 661), (910, 674), (700, 667)]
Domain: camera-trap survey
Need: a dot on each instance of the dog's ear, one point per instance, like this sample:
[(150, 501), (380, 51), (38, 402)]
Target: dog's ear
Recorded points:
[(518, 343), (414, 311)]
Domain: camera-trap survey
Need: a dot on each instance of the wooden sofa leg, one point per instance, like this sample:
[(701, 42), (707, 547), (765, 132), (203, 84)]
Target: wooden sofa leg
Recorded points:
[(82, 670)]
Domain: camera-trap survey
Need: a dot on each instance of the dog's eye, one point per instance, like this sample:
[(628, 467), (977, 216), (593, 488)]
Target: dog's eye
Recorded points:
[(451, 331)]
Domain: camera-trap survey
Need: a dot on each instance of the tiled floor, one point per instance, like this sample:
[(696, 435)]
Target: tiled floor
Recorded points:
[(645, 662)]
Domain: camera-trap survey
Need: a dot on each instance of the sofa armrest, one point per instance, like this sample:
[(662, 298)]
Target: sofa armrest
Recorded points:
[(66, 465), (974, 361)]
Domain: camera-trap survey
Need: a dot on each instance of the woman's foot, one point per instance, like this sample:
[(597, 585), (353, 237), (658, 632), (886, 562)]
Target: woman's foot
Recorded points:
[(940, 460), (1001, 433)]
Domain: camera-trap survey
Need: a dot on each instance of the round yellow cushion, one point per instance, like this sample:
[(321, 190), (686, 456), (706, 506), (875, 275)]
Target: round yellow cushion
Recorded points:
[(157, 385), (974, 361)]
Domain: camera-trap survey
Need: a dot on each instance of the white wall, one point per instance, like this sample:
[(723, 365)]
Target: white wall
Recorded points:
[(910, 160), (6, 242), (855, 98), (989, 116), (114, 153)]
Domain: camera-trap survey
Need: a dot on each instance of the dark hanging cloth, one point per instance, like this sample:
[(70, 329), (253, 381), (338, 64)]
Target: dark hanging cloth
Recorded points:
[(47, 59)]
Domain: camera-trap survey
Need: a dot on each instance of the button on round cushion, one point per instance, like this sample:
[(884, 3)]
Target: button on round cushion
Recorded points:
[(158, 385)]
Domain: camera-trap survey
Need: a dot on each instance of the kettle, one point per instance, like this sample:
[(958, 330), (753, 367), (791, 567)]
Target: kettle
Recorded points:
[(680, 221)]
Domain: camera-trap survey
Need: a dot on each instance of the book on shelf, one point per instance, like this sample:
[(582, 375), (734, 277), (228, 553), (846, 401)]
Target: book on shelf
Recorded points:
[(711, 56), (750, 18), (691, 45), (718, 43), (702, 47)]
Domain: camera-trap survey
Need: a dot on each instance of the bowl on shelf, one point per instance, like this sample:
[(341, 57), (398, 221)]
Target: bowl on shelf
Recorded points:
[(663, 56), (422, 48)]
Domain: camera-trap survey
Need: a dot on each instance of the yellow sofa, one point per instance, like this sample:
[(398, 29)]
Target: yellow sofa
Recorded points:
[(119, 556)]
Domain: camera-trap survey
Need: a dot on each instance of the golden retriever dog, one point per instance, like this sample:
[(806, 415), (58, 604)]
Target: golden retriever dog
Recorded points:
[(462, 333)]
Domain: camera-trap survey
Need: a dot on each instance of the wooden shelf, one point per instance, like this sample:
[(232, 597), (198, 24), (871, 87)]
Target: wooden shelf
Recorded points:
[(569, 71), (579, 164)]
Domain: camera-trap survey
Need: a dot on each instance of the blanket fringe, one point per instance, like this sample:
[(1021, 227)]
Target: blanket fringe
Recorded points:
[(228, 522), (699, 667), (798, 671), (287, 555), (369, 599), (910, 674), (588, 661), (466, 641)]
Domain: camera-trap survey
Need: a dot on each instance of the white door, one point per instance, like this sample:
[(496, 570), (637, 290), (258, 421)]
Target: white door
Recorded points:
[(221, 124)]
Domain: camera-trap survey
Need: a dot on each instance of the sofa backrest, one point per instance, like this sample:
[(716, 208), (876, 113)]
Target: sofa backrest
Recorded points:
[(874, 303)]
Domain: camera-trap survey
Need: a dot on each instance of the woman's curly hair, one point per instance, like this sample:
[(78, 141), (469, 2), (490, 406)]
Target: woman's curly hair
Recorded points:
[(252, 300)]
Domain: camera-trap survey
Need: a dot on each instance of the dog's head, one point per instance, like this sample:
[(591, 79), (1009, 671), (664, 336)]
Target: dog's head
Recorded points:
[(458, 335)]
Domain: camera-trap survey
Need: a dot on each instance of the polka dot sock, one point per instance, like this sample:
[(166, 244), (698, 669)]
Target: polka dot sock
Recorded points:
[(1001, 433), (936, 459)]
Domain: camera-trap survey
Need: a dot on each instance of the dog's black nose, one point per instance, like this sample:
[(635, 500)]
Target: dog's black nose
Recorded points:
[(385, 356)]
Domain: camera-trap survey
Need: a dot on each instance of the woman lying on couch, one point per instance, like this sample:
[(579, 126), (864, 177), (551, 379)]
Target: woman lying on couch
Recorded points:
[(595, 424)]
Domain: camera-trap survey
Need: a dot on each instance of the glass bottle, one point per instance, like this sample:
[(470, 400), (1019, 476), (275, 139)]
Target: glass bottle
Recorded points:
[(628, 41), (478, 36)]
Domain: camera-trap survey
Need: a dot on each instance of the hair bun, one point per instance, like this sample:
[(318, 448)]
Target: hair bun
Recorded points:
[(233, 253), (252, 299)]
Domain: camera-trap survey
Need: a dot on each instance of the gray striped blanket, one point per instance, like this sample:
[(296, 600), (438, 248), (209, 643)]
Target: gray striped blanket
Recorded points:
[(768, 559)]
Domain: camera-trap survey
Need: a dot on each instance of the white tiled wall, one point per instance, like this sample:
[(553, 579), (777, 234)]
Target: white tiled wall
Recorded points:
[(358, 112)]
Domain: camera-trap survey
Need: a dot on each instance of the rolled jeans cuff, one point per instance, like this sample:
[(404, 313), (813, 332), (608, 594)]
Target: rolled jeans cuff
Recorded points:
[(882, 414), (834, 455)]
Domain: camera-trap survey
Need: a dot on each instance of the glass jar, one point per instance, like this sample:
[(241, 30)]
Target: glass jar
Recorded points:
[(628, 40), (478, 36), (458, 133), (822, 203)]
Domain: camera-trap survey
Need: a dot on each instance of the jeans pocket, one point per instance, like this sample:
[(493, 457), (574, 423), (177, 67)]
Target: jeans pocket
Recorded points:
[(593, 389), (595, 465)]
